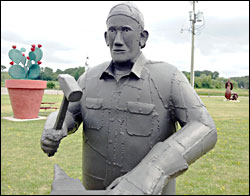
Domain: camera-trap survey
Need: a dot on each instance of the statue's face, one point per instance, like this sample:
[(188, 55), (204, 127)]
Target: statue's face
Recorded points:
[(123, 36)]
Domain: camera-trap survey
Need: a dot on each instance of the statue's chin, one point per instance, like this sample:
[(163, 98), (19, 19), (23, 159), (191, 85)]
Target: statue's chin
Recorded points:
[(123, 57), (120, 59)]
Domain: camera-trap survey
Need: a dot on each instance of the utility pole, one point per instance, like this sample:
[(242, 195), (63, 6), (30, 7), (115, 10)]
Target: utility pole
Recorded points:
[(86, 63), (193, 19)]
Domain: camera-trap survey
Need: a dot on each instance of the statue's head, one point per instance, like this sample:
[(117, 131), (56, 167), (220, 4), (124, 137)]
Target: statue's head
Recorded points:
[(125, 33)]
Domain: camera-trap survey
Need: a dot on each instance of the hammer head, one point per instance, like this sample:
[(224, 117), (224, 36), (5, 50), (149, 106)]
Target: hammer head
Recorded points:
[(70, 87)]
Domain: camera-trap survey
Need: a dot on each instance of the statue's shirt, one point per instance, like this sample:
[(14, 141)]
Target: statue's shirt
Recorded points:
[(123, 120)]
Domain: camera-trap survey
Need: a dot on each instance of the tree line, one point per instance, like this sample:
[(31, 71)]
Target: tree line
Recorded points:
[(202, 79), (48, 74), (209, 79)]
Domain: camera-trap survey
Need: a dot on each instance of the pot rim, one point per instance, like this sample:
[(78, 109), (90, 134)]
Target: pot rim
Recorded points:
[(29, 84)]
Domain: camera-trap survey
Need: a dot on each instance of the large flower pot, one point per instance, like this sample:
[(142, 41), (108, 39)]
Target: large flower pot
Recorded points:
[(26, 97)]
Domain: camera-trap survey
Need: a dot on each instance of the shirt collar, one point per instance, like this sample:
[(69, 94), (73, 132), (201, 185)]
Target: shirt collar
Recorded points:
[(136, 69)]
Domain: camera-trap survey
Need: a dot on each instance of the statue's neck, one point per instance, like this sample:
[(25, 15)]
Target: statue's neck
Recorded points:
[(122, 69)]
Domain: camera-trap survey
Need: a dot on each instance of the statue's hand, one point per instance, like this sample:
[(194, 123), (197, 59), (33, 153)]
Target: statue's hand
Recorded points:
[(51, 138), (144, 179), (121, 186)]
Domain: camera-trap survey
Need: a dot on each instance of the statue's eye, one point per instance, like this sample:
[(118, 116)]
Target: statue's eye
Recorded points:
[(111, 30), (125, 29)]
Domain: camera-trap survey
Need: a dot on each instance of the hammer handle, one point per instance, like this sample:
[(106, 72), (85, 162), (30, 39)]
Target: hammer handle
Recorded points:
[(61, 114)]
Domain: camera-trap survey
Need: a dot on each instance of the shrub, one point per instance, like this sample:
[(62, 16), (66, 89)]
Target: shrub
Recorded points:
[(50, 85)]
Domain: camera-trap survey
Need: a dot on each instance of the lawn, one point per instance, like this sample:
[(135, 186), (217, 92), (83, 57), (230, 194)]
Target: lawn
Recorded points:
[(225, 169), (25, 169)]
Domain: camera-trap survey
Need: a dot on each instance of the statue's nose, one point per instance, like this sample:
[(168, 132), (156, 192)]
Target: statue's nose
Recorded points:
[(118, 39)]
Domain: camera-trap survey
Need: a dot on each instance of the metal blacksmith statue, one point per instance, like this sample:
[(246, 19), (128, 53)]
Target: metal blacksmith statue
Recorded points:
[(129, 109)]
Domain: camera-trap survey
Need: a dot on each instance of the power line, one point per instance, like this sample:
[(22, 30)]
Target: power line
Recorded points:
[(194, 18)]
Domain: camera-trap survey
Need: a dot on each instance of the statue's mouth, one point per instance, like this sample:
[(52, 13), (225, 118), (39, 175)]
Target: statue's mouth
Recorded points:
[(119, 50)]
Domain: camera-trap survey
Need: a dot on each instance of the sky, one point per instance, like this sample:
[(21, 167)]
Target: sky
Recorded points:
[(71, 31)]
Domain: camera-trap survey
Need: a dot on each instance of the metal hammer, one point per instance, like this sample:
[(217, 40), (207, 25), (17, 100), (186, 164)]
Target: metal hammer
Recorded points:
[(72, 93)]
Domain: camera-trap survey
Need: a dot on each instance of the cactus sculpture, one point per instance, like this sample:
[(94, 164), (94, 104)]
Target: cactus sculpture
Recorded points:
[(30, 68)]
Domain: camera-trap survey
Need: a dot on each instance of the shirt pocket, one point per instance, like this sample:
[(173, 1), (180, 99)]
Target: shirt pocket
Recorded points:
[(140, 118), (94, 118)]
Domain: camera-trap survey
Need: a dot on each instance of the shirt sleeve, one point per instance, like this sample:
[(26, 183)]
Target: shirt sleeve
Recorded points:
[(198, 134), (186, 104)]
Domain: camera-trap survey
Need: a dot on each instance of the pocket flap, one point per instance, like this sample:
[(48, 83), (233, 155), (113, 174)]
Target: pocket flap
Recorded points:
[(93, 103), (140, 108)]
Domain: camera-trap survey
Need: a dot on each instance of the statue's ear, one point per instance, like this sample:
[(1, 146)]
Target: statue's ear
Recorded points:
[(144, 38), (106, 38)]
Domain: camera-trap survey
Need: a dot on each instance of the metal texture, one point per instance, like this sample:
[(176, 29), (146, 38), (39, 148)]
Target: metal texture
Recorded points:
[(62, 113), (64, 185), (129, 109), (72, 93), (70, 88)]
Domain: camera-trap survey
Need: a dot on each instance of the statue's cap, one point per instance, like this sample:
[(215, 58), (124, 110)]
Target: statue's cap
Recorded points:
[(128, 9)]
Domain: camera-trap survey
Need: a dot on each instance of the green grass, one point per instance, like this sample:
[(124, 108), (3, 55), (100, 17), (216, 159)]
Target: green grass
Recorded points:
[(225, 169), (25, 169)]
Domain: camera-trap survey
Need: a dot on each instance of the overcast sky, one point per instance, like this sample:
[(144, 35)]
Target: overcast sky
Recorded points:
[(69, 31)]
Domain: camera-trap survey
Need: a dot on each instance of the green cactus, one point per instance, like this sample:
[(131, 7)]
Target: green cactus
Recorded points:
[(30, 68), (15, 55)]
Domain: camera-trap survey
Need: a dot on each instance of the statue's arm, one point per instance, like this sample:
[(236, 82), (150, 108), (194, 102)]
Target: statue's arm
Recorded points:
[(73, 118), (198, 133), (172, 157), (51, 137)]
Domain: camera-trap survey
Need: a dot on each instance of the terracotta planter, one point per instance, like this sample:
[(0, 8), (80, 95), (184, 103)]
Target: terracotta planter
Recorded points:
[(26, 97)]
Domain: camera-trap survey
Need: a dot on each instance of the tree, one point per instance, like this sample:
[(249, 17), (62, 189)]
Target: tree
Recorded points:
[(206, 81), (79, 72), (46, 74), (3, 68), (243, 82), (215, 75), (235, 84), (187, 74), (75, 72), (77, 75), (217, 84), (197, 82), (59, 71), (197, 73)]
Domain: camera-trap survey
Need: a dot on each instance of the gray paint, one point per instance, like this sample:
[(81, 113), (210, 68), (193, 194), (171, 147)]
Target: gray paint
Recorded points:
[(72, 93), (129, 110), (64, 185)]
